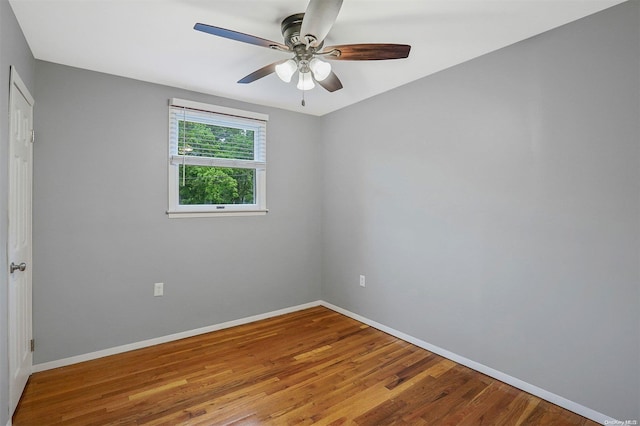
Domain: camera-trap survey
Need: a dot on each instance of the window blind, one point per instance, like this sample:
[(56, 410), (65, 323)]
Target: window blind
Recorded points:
[(223, 151)]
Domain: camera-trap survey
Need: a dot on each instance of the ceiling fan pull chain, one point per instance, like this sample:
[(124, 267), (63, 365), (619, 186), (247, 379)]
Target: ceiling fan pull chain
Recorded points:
[(303, 102)]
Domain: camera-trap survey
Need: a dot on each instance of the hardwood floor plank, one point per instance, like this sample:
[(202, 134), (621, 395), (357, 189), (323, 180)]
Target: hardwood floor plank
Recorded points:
[(314, 366), (437, 411)]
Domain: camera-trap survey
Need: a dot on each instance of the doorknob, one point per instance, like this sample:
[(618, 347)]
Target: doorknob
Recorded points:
[(21, 267)]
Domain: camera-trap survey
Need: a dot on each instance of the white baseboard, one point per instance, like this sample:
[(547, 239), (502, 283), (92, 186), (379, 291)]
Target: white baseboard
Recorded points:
[(165, 339), (513, 381)]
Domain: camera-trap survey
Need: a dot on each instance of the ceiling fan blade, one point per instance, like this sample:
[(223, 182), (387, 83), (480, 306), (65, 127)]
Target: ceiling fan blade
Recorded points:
[(366, 52), (331, 83), (262, 72), (235, 35), (318, 20)]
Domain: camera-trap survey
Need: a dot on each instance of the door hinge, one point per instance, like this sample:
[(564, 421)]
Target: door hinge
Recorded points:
[(33, 136), (32, 345)]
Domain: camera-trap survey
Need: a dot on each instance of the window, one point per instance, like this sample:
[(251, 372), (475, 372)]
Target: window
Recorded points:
[(217, 160)]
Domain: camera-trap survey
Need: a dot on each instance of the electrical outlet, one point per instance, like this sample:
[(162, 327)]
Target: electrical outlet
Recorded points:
[(362, 282), (158, 289)]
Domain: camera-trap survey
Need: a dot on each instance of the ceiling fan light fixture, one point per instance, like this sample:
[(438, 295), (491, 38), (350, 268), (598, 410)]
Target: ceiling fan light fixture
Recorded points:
[(305, 81), (320, 69), (286, 70)]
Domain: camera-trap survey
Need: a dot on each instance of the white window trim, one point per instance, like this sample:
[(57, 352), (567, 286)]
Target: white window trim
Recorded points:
[(190, 211)]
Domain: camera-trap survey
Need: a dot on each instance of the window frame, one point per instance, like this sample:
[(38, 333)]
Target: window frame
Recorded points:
[(241, 118)]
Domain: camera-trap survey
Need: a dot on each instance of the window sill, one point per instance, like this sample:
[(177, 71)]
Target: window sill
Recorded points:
[(184, 215)]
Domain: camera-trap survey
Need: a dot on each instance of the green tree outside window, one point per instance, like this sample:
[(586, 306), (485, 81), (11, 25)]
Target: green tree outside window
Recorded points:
[(215, 185)]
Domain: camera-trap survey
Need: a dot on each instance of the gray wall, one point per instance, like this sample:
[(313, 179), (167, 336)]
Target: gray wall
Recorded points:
[(494, 209), (13, 51), (102, 237)]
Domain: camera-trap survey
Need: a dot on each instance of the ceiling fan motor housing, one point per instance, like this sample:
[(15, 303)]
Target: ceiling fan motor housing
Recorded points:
[(290, 28)]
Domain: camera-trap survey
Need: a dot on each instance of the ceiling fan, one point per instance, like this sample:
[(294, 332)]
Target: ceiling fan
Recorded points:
[(304, 35)]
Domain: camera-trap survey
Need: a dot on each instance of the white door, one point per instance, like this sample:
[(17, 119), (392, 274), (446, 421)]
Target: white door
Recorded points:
[(19, 244)]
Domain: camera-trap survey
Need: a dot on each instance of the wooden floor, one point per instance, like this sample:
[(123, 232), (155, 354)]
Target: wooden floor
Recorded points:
[(312, 366)]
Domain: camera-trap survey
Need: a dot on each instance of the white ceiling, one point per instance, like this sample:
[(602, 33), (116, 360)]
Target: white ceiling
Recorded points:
[(154, 40)]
